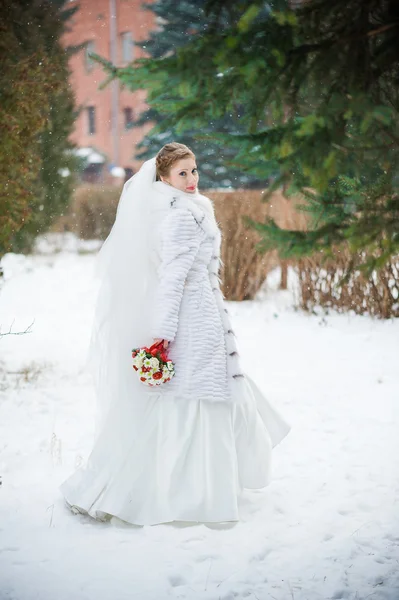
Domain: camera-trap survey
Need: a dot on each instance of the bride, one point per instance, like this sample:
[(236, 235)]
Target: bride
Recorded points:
[(183, 450)]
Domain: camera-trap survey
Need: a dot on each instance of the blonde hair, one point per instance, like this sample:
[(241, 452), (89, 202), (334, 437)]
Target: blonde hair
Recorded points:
[(168, 155)]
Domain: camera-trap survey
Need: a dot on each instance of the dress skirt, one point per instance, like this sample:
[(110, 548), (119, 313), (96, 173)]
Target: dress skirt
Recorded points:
[(175, 460)]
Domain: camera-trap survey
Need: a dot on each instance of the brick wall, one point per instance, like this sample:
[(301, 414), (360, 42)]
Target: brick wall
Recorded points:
[(94, 126)]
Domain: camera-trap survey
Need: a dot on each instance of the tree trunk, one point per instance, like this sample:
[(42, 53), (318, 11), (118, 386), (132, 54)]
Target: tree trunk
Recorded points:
[(284, 274)]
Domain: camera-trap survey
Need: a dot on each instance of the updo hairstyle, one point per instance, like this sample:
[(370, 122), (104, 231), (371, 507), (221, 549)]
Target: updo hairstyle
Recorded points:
[(168, 155)]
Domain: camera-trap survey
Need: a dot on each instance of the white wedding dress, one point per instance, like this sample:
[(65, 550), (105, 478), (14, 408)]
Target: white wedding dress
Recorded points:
[(184, 450)]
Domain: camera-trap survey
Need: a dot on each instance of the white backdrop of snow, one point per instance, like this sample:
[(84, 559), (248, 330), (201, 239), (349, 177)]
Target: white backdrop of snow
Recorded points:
[(326, 528)]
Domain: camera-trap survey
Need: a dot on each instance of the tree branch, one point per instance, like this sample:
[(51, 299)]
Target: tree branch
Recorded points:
[(27, 330)]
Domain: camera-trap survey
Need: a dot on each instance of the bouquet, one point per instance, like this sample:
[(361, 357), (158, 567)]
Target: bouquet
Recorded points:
[(152, 364)]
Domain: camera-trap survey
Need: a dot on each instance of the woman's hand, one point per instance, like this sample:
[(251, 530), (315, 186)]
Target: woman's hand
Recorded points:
[(165, 342)]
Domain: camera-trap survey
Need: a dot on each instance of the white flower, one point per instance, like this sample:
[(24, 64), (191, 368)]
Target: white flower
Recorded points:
[(169, 365), (154, 363)]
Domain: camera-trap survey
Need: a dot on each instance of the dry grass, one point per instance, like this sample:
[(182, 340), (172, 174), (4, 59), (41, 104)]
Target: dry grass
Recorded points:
[(28, 374)]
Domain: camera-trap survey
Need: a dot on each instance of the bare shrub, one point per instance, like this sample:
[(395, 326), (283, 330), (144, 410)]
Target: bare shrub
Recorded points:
[(91, 213), (377, 295), (244, 268)]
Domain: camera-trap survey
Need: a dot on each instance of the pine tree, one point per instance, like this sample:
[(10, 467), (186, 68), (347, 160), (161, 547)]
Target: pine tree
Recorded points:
[(48, 178), (316, 85), (25, 84), (179, 24)]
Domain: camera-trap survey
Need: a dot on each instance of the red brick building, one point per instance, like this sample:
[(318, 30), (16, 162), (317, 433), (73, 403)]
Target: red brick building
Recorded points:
[(102, 132)]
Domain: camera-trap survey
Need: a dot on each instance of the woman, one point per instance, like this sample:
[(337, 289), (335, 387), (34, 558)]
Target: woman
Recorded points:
[(181, 451)]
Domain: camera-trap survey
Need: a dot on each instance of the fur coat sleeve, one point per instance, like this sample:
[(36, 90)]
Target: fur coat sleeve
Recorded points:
[(179, 244)]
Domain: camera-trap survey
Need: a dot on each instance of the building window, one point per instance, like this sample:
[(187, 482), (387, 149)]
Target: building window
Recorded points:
[(128, 116), (91, 119), (127, 46), (89, 63)]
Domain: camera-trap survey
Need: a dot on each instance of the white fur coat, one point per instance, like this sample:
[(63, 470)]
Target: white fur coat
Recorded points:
[(188, 305)]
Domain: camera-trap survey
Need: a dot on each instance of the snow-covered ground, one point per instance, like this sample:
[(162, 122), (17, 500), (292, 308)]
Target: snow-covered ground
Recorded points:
[(326, 528)]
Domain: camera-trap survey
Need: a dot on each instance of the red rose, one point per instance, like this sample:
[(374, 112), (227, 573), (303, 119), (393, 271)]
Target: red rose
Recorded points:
[(157, 375), (135, 368), (142, 379), (134, 353)]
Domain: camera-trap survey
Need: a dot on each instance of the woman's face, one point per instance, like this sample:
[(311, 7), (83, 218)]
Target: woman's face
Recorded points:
[(183, 175)]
